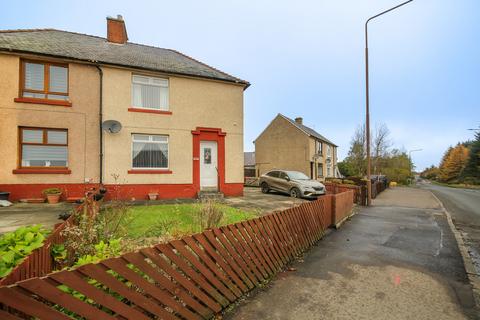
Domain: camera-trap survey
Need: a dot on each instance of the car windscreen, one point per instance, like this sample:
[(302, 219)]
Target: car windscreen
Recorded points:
[(295, 175)]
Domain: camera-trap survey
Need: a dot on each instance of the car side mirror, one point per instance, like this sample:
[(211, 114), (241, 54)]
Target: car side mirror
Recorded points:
[(287, 178)]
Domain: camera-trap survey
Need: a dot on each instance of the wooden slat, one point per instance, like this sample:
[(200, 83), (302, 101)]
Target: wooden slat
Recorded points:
[(221, 261), (153, 254), (265, 258), (7, 316), (258, 229), (180, 246), (249, 247), (12, 298), (73, 280), (240, 250), (219, 273), (138, 259), (99, 273), (119, 266), (274, 234), (167, 250), (46, 290), (231, 256)]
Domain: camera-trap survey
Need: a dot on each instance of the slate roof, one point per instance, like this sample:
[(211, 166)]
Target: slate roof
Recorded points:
[(64, 44), (309, 131)]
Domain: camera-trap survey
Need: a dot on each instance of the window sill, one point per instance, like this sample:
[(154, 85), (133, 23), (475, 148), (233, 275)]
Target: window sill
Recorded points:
[(146, 171), (133, 109), (44, 101), (41, 171)]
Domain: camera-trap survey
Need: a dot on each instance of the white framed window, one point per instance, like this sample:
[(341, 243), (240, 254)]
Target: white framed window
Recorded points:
[(319, 147), (150, 93), (149, 151), (329, 151), (329, 169)]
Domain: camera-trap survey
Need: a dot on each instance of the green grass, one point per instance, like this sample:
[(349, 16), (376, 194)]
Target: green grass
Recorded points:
[(156, 220)]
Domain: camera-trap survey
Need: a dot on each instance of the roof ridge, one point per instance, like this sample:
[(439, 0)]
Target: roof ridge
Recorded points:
[(26, 30)]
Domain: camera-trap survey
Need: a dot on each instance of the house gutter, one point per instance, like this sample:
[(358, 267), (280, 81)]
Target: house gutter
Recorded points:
[(100, 117)]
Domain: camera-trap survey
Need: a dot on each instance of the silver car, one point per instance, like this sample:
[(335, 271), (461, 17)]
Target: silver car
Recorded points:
[(294, 183)]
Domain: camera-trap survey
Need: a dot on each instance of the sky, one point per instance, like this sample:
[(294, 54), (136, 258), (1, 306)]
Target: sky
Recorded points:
[(306, 58)]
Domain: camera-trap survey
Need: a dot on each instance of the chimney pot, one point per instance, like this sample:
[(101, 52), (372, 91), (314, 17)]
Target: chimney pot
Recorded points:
[(116, 30), (299, 120)]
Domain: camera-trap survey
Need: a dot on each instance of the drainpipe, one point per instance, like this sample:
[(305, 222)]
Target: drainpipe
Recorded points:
[(100, 117)]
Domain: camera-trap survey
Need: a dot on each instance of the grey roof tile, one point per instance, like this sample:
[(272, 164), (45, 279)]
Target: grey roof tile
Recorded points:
[(308, 130), (92, 48)]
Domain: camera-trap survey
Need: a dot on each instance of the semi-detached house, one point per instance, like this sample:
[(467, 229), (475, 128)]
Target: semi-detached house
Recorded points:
[(181, 120)]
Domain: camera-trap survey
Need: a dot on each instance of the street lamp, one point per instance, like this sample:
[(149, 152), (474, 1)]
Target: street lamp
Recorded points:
[(367, 106)]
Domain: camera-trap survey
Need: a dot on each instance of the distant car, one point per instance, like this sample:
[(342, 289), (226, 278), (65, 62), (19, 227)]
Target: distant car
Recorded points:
[(294, 183)]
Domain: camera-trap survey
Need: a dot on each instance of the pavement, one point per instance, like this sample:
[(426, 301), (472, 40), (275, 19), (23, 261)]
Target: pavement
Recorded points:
[(397, 259), (23, 214)]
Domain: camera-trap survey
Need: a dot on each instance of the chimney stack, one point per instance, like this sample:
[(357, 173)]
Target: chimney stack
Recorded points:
[(299, 120), (116, 30)]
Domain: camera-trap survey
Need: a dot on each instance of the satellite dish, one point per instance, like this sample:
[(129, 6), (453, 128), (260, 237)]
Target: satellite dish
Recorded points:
[(112, 126)]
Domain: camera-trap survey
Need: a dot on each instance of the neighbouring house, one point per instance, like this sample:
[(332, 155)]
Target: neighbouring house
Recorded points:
[(249, 164), (177, 129), (290, 145)]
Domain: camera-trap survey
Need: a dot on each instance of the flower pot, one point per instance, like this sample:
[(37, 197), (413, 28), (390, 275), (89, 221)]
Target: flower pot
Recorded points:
[(153, 196), (53, 198)]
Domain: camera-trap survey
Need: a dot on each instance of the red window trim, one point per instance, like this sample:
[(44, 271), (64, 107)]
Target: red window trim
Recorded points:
[(146, 171), (44, 101), (135, 109), (41, 171)]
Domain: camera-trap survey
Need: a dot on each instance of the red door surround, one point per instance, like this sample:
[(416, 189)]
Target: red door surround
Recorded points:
[(209, 134)]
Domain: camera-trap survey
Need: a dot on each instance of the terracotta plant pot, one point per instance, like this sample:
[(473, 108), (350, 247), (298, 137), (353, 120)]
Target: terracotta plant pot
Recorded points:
[(53, 198), (153, 196)]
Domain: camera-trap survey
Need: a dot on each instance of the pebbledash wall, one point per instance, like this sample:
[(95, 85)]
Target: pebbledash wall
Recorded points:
[(199, 109)]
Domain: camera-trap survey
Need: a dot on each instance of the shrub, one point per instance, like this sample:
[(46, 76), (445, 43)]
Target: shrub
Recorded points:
[(16, 245), (346, 181), (209, 215), (336, 181)]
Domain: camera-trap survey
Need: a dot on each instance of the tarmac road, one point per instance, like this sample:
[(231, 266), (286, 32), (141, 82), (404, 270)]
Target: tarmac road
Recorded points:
[(464, 207)]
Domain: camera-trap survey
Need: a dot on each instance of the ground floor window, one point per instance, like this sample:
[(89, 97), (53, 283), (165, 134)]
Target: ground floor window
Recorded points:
[(319, 170), (149, 151), (43, 147)]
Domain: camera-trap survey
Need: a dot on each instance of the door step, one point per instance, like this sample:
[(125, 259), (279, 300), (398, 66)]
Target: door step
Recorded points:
[(210, 195)]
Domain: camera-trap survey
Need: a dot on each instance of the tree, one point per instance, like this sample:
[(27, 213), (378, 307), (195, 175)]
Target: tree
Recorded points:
[(453, 163), (380, 147), (346, 169), (430, 173), (357, 153), (471, 172)]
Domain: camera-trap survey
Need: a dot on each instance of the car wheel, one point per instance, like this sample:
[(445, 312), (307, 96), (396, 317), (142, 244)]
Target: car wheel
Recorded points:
[(265, 187), (295, 193)]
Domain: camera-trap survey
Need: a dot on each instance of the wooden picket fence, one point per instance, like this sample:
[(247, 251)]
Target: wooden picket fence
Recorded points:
[(192, 278)]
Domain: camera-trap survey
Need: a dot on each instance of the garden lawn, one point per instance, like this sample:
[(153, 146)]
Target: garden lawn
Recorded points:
[(156, 220)]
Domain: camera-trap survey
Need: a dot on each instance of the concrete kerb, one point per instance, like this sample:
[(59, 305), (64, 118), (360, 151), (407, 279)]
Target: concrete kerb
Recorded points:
[(472, 274)]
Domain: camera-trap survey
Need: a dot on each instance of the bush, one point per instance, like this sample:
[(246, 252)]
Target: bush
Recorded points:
[(346, 181), (336, 181), (209, 215), (16, 245)]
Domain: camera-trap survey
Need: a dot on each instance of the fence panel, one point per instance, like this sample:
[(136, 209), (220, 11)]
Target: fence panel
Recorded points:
[(191, 278)]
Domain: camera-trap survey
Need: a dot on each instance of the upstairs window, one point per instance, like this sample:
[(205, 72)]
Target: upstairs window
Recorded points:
[(149, 93), (42, 80), (43, 148), (149, 151), (319, 147)]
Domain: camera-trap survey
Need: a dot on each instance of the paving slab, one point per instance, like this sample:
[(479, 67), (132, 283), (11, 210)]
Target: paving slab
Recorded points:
[(395, 260), (23, 214)]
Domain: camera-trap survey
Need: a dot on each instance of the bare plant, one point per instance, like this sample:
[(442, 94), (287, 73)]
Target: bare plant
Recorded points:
[(209, 215)]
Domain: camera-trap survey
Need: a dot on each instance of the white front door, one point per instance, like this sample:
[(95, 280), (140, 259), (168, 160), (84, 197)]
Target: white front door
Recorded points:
[(208, 165)]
